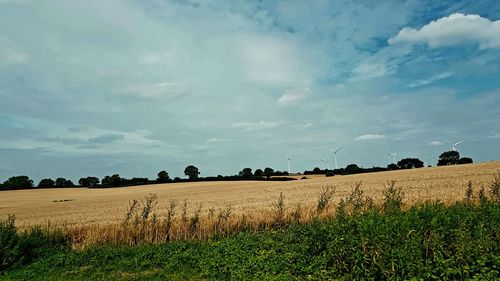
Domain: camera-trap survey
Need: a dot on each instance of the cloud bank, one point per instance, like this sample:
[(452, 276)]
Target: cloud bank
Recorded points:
[(453, 30)]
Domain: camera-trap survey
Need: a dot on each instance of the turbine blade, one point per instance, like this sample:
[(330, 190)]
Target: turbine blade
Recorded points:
[(339, 148)]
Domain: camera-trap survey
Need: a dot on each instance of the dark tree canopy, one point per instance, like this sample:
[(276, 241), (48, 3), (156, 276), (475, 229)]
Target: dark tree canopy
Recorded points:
[(316, 170), (112, 181), (448, 158), (46, 183), (268, 172), (258, 173), (192, 172), (465, 160), (410, 163), (62, 182), (163, 177), (246, 173), (88, 181), (18, 182), (352, 168), (392, 166)]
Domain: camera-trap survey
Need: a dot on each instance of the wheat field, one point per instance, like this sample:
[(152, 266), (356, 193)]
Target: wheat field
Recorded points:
[(74, 207)]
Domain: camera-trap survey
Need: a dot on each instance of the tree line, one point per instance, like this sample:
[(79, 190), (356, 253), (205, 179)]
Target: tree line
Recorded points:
[(193, 174), (446, 158), (191, 171)]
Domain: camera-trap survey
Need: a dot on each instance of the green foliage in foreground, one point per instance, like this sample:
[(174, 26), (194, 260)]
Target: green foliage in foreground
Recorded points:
[(427, 242)]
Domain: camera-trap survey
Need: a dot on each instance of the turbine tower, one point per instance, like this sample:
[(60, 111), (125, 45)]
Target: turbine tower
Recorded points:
[(454, 145), (335, 155), (325, 161), (392, 157), (288, 162)]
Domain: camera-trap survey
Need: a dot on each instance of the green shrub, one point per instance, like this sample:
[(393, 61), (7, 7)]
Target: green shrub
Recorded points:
[(19, 248)]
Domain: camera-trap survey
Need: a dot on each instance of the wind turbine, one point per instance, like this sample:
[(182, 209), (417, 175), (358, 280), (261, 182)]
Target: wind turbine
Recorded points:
[(325, 161), (454, 145), (288, 162), (335, 155), (392, 157)]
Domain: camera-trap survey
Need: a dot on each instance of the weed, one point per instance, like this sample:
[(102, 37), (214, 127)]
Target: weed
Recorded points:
[(469, 193), (325, 196), (495, 188), (280, 209), (296, 214), (169, 219), (195, 219), (393, 197)]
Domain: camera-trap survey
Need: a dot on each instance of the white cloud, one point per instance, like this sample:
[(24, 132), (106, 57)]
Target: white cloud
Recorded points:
[(152, 90), (269, 60), (254, 126), (367, 70), (218, 140), (430, 80), (370, 137), (435, 143), (293, 96), (455, 29), (10, 54)]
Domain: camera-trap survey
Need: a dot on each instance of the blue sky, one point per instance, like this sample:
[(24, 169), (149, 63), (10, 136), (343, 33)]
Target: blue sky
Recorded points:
[(135, 87)]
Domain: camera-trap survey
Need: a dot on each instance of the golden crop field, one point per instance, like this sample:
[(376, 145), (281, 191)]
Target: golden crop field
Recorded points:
[(82, 206)]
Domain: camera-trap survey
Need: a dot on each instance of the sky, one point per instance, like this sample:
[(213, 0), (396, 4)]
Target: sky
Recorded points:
[(135, 87)]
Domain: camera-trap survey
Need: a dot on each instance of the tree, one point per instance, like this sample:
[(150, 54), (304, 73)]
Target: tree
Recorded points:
[(465, 160), (62, 182), (258, 173), (316, 170), (69, 183), (245, 173), (448, 158), (410, 163), (18, 182), (113, 181), (163, 177), (352, 169), (192, 172), (392, 166), (88, 181), (46, 183), (268, 172)]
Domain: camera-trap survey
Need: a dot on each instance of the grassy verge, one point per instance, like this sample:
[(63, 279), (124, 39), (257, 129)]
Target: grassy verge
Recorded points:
[(429, 241)]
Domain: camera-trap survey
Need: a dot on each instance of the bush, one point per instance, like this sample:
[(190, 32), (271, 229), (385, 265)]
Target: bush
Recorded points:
[(17, 249)]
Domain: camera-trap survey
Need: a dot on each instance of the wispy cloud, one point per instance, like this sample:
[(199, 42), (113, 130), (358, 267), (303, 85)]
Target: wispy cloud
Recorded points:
[(435, 143), (155, 90), (253, 126), (370, 137), (10, 53), (218, 140), (294, 96), (432, 79)]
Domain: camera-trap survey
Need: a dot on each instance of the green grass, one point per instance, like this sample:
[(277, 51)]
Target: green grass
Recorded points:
[(430, 241)]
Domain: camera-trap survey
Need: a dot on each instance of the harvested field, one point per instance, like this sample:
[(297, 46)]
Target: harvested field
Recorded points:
[(82, 206)]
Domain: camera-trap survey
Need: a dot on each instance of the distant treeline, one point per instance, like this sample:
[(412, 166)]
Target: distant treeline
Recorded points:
[(192, 172), (446, 158)]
